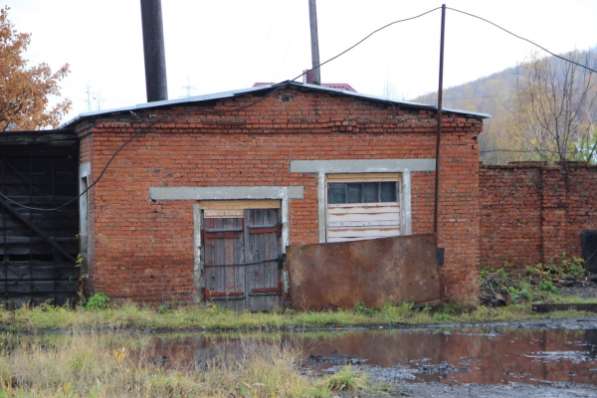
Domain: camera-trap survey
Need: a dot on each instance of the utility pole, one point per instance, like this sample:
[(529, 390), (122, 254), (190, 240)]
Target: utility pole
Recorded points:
[(188, 87), (88, 92), (315, 70), (440, 91)]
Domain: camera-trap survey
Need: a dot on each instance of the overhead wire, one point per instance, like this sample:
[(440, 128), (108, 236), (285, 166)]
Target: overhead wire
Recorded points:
[(561, 57), (359, 42), (277, 86)]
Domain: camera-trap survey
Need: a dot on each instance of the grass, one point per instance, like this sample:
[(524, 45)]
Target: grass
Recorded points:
[(346, 380), (110, 365), (536, 283), (212, 318)]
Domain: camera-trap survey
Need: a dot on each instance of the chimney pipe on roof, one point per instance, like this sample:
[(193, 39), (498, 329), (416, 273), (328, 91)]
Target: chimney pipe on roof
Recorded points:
[(153, 48), (314, 76)]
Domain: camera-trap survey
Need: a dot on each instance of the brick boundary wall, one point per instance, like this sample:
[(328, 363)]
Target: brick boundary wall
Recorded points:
[(532, 212)]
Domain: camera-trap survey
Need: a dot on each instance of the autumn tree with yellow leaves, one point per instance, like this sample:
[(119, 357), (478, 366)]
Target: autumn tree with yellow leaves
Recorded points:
[(29, 94)]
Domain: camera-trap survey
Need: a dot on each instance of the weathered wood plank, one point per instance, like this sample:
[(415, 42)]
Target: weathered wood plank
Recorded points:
[(358, 221)]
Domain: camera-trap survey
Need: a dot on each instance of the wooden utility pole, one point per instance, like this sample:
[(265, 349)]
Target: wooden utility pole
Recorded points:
[(315, 70), (440, 91)]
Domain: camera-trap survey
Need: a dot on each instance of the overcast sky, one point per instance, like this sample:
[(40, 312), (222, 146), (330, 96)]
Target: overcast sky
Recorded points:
[(226, 44)]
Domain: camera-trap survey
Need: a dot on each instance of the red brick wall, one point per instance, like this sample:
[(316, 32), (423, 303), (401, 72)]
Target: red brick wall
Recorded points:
[(143, 250), (531, 213)]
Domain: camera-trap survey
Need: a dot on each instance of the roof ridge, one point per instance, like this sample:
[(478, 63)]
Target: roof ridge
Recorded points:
[(250, 90)]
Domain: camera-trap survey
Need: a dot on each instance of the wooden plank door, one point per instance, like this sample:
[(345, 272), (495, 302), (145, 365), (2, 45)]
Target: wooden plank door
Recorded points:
[(241, 259), (263, 250), (223, 252)]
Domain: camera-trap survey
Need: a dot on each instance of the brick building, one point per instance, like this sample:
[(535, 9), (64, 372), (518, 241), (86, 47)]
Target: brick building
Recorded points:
[(239, 176)]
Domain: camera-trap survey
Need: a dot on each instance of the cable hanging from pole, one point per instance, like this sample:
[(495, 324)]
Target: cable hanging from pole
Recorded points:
[(277, 86), (274, 86), (350, 48), (560, 57)]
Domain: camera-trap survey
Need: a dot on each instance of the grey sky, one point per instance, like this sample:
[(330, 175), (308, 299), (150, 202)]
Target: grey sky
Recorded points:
[(227, 44)]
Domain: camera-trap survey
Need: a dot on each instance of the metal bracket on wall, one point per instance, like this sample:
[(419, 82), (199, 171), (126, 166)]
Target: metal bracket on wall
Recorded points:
[(439, 255)]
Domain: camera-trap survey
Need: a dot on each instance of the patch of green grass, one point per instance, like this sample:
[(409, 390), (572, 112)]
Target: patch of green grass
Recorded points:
[(98, 301), (212, 318), (346, 379), (537, 283)]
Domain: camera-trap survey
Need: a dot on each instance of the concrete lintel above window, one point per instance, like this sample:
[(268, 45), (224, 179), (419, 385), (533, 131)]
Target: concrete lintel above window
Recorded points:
[(225, 193), (361, 165)]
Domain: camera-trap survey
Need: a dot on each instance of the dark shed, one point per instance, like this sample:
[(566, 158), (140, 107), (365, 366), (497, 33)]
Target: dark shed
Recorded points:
[(38, 248)]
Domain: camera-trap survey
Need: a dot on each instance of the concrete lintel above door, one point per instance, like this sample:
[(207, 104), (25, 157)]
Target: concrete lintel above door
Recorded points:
[(226, 193)]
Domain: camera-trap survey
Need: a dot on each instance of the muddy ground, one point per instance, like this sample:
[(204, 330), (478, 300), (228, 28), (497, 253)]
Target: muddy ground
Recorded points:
[(514, 390), (548, 358)]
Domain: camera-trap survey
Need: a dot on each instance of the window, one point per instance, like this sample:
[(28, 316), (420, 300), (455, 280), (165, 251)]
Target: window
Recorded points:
[(362, 192)]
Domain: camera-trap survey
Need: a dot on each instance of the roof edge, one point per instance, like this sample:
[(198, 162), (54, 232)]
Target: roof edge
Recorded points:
[(262, 89)]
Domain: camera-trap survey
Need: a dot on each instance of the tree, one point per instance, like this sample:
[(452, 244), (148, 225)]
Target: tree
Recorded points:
[(557, 109), (29, 95)]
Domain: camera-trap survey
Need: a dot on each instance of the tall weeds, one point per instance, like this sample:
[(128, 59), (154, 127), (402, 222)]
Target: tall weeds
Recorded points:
[(110, 366)]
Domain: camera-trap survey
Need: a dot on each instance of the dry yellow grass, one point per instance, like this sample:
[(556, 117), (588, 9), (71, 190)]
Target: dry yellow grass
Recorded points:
[(109, 365)]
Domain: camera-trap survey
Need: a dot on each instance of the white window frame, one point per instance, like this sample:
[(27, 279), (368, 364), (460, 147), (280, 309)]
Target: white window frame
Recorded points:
[(84, 175), (324, 167)]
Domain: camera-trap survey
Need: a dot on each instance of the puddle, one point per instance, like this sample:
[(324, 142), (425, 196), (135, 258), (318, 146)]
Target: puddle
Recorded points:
[(470, 356)]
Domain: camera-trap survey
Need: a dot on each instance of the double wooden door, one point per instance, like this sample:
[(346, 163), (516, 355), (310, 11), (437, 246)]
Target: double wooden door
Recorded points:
[(242, 258)]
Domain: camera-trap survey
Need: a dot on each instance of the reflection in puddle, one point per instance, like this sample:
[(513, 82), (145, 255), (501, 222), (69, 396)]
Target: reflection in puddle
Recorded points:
[(474, 356), (572, 356)]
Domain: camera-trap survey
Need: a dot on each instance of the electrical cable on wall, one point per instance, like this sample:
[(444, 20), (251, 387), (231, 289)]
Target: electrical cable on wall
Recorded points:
[(241, 107), (74, 199), (277, 86)]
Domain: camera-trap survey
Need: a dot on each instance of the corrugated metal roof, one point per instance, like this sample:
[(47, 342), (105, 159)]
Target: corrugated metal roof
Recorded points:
[(265, 88)]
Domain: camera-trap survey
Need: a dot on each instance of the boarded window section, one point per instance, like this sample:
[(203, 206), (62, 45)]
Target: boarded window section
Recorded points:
[(365, 209)]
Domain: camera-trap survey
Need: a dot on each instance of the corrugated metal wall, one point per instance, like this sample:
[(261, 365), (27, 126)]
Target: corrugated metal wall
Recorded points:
[(38, 248)]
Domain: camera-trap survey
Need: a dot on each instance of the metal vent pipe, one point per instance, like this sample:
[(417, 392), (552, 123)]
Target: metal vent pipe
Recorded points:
[(153, 48)]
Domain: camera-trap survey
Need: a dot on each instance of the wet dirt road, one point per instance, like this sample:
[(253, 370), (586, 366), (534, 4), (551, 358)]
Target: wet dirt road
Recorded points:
[(534, 359)]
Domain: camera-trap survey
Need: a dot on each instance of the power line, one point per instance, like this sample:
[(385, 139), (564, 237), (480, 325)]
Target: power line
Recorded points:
[(274, 87), (341, 53), (277, 86), (587, 67)]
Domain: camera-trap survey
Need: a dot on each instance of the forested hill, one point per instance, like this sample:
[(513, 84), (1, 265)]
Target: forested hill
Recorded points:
[(494, 94)]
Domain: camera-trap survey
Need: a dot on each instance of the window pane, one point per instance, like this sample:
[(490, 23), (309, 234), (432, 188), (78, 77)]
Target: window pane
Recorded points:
[(370, 192), (354, 193), (336, 193), (388, 191)]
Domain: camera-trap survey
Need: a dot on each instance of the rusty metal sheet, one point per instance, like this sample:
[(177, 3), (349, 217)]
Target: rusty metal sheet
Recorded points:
[(372, 272)]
